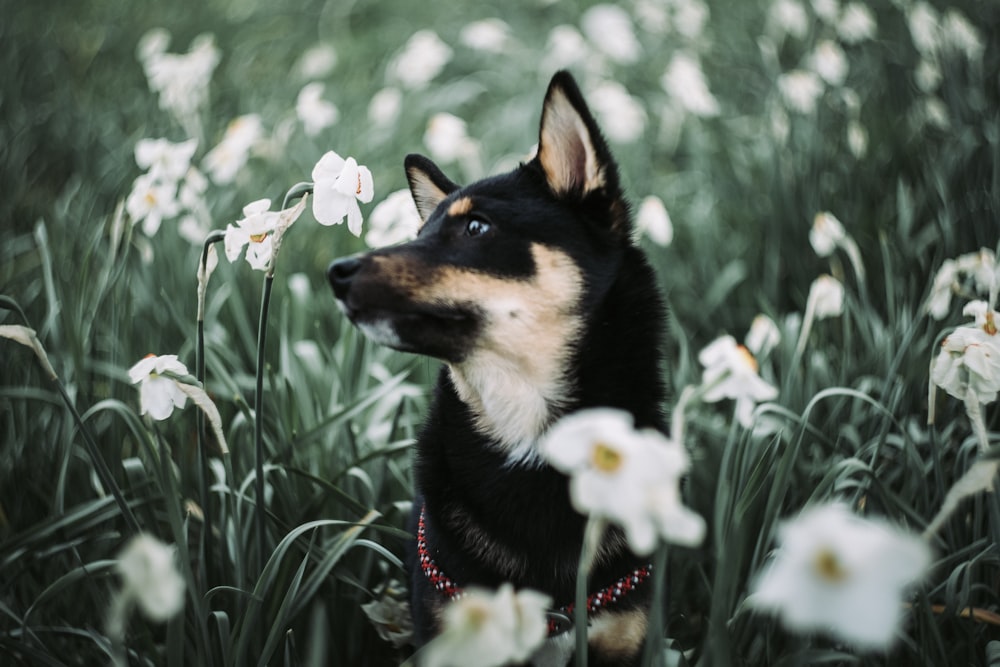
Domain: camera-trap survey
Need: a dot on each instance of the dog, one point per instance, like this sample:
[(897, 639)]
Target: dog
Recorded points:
[(531, 290)]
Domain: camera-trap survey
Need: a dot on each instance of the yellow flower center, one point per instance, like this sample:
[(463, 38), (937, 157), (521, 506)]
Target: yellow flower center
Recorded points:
[(748, 358), (828, 566), (990, 327), (150, 198), (606, 459), (258, 238)]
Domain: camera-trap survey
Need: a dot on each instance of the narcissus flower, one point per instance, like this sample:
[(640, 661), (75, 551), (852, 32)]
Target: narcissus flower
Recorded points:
[(225, 160), (826, 297), (253, 230), (731, 371), (969, 360), (653, 221), (839, 573), (394, 220), (422, 58), (800, 89), (339, 185), (487, 629), (628, 476), (158, 394), (685, 83), (315, 113), (150, 577), (165, 160), (152, 201)]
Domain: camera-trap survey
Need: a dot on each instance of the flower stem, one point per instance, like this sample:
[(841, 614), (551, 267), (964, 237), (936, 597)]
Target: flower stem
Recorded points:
[(657, 628), (259, 419), (592, 534)]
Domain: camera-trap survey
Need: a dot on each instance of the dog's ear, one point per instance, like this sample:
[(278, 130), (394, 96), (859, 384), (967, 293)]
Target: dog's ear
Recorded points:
[(427, 184), (571, 150)]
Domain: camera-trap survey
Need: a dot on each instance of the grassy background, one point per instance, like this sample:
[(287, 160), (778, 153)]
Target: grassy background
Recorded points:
[(340, 413)]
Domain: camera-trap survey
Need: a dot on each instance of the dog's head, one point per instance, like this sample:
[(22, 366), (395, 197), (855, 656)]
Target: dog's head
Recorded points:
[(501, 277)]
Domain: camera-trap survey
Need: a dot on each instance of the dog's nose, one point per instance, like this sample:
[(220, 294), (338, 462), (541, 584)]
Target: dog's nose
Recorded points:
[(340, 274)]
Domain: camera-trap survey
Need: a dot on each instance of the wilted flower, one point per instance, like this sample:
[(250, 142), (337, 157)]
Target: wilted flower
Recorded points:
[(856, 23), (315, 113), (622, 116), (685, 83), (487, 629), (491, 35), (828, 60), (150, 577), (800, 89), (158, 394), (151, 201), (422, 58), (731, 371), (763, 336), (339, 185), (969, 360), (394, 220), (843, 574), (653, 221), (224, 161), (609, 28)]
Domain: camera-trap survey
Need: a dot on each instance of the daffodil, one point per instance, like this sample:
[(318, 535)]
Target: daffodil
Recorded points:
[(339, 185), (685, 82), (150, 577), (731, 371), (800, 89), (625, 475), (394, 220), (253, 230), (158, 394), (422, 58), (315, 113), (151, 201), (165, 160), (225, 160), (653, 221), (842, 574), (969, 360), (763, 336), (487, 629)]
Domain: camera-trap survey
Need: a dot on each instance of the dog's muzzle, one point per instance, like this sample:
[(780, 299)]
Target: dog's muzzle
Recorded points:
[(341, 273)]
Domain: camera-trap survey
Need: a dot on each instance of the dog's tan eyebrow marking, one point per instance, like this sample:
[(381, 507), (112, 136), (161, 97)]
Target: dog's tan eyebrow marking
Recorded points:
[(461, 206)]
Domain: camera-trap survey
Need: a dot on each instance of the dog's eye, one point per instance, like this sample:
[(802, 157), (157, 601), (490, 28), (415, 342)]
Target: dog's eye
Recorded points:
[(476, 227)]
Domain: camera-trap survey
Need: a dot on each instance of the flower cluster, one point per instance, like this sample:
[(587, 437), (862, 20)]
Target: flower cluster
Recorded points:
[(628, 476), (154, 195), (971, 274), (968, 364), (180, 80)]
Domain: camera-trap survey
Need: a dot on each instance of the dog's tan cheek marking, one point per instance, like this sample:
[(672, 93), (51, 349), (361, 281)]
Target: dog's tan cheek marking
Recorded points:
[(618, 635), (459, 207)]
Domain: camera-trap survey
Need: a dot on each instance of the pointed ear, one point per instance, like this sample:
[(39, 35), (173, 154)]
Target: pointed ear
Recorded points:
[(571, 150), (427, 184)]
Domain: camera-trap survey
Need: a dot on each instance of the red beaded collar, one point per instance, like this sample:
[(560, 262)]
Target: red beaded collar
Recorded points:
[(561, 619)]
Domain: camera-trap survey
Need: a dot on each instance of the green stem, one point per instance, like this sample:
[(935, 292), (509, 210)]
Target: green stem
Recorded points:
[(592, 534), (657, 620), (259, 419)]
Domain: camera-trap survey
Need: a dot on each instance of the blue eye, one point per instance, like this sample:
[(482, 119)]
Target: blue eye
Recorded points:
[(475, 227)]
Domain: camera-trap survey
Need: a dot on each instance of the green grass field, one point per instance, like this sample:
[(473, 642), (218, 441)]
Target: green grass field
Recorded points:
[(884, 118)]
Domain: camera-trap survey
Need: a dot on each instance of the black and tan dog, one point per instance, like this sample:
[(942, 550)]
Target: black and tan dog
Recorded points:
[(529, 288)]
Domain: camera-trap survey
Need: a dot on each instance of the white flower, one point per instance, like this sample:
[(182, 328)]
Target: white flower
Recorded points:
[(857, 138), (394, 220), (685, 82), (151, 201), (253, 230), (960, 35), (153, 43), (842, 574), (622, 116), (565, 47), (392, 619), (763, 336), (653, 221), (928, 75), (486, 629), (609, 28), (224, 161), (826, 234), (857, 23), (731, 371), (690, 17), (165, 160), (385, 106), (446, 138), (969, 360), (150, 577), (788, 17), (983, 268), (339, 185), (827, 10), (422, 58), (158, 394), (828, 60), (945, 281), (826, 297), (922, 20), (491, 35), (628, 476), (800, 89), (317, 62), (181, 81), (315, 113)]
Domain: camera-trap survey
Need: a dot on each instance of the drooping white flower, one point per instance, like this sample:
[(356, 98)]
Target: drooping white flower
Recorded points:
[(839, 573), (164, 160), (622, 116), (315, 113), (158, 394), (826, 234), (316, 62), (151, 201), (857, 23), (826, 297), (731, 371), (609, 28), (763, 336), (969, 360), (490, 35), (628, 476), (487, 629), (394, 220), (685, 83), (828, 60), (226, 159), (945, 282), (447, 139), (800, 89), (339, 185), (422, 58), (653, 221), (150, 577)]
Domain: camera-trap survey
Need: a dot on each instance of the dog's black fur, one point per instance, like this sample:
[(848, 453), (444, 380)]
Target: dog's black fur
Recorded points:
[(557, 226)]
